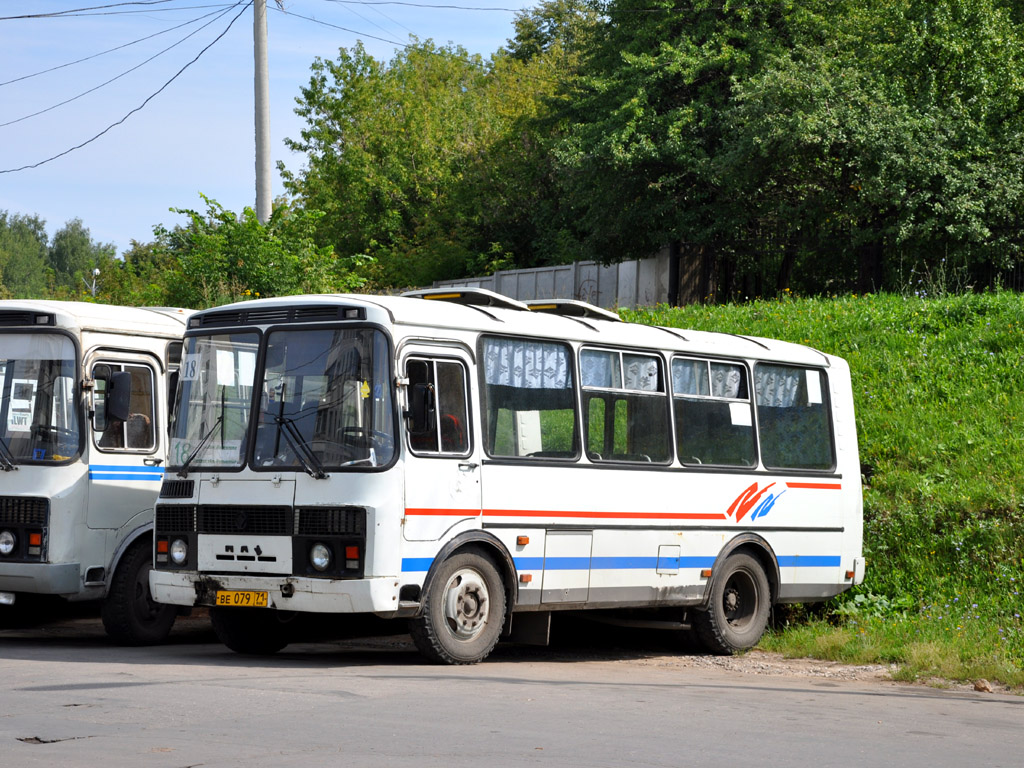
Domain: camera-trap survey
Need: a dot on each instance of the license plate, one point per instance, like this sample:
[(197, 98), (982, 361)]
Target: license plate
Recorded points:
[(242, 599)]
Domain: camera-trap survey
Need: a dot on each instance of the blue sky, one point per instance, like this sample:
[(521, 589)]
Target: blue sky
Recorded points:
[(197, 134)]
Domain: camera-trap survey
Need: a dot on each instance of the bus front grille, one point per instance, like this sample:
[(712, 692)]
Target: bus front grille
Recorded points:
[(16, 510), (229, 518)]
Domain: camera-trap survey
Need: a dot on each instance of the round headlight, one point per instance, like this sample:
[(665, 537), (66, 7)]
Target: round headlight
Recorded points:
[(178, 551), (7, 542), (320, 556)]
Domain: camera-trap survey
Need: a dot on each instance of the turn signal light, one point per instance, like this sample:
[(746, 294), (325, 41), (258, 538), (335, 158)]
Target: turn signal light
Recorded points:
[(526, 578), (705, 573), (35, 539)]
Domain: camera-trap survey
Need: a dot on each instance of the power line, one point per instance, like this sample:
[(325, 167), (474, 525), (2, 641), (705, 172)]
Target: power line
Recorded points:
[(425, 5), (153, 95), (117, 77), (343, 29), (80, 12), (109, 50)]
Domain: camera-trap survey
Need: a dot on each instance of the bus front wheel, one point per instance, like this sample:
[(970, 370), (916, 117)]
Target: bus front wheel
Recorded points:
[(250, 631), (738, 612), (463, 612), (130, 615)]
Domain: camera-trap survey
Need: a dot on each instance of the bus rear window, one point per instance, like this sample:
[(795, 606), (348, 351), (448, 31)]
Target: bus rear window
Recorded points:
[(793, 418)]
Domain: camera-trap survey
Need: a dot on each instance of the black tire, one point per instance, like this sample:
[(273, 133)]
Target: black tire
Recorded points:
[(130, 615), (463, 613), (738, 612), (251, 631)]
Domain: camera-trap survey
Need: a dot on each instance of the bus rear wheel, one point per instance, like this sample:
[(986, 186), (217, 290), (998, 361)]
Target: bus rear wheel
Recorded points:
[(463, 613), (250, 631), (738, 612)]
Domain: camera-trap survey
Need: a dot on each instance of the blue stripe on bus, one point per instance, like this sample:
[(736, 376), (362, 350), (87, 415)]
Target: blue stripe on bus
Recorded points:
[(414, 564), (809, 561), (126, 468), (122, 472)]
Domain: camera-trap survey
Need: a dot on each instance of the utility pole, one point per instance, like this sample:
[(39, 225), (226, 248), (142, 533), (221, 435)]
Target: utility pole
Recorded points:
[(262, 104)]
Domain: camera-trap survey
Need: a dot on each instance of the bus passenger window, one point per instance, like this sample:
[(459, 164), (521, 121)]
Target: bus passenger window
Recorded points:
[(529, 399), (448, 431), (793, 417), (713, 420), (626, 406)]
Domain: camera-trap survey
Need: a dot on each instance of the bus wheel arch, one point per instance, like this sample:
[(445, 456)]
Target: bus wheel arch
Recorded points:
[(739, 596), (465, 602)]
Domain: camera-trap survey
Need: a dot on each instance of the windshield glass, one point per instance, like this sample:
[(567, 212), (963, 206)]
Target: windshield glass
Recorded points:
[(325, 401), (38, 411), (214, 397)]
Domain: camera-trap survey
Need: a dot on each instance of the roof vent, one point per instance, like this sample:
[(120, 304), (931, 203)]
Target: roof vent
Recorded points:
[(477, 297), (571, 308)]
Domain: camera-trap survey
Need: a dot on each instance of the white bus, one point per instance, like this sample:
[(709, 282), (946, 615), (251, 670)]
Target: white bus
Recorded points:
[(83, 413), (473, 464)]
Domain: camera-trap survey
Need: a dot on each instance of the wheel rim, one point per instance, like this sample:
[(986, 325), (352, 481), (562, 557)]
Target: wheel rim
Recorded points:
[(466, 604), (740, 600)]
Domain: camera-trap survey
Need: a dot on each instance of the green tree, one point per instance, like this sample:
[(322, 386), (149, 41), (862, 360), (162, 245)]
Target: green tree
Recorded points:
[(426, 162), (23, 272), (73, 255), (220, 256)]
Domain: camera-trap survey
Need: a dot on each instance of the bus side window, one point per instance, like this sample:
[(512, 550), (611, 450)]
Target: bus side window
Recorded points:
[(713, 420), (793, 417), (626, 406), (448, 431), (137, 433), (529, 399)]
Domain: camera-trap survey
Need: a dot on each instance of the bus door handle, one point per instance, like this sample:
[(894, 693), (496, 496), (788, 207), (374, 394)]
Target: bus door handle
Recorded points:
[(467, 466), (152, 462)]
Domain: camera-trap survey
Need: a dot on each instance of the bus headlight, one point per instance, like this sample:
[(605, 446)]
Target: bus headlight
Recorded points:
[(179, 552), (320, 556), (7, 542)]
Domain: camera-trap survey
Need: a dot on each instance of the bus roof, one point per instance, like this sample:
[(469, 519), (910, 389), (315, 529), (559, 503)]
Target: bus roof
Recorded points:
[(85, 316), (442, 312)]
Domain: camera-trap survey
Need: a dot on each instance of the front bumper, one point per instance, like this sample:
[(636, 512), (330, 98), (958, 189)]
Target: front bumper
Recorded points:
[(287, 593), (41, 578)]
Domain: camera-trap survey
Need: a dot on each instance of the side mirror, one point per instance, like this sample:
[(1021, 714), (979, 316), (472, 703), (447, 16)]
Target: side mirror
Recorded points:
[(111, 396), (422, 414)]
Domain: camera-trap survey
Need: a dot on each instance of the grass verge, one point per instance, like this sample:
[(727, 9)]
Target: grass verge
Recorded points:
[(939, 391)]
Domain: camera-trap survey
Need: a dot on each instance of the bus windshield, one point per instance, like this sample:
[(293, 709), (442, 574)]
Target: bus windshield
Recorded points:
[(325, 401), (321, 400), (38, 399)]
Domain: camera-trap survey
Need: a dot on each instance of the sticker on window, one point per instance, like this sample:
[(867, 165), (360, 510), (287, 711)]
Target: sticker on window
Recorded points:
[(813, 388), (189, 368), (740, 413)]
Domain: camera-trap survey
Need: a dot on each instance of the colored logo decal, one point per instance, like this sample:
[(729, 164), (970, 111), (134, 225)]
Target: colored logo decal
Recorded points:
[(753, 498)]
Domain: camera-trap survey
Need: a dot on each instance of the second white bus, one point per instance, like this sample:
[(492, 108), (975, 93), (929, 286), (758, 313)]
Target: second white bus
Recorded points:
[(474, 464)]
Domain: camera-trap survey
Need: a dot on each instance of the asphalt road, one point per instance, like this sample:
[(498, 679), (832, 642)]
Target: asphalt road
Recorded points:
[(69, 698)]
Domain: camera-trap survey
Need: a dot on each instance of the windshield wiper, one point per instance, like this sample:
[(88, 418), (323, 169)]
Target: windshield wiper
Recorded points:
[(183, 471), (6, 456), (310, 462)]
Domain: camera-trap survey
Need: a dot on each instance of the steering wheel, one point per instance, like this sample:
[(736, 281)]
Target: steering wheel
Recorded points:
[(41, 430), (383, 442)]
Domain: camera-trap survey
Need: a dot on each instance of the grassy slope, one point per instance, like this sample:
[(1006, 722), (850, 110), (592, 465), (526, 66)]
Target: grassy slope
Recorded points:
[(939, 387)]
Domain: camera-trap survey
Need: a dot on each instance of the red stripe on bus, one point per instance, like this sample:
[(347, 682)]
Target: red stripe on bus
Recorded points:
[(606, 515), (450, 512), (820, 486)]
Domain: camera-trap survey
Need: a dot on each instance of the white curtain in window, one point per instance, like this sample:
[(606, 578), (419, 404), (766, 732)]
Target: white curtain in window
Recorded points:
[(777, 386), (641, 373), (726, 380), (599, 369), (690, 377), (526, 364)]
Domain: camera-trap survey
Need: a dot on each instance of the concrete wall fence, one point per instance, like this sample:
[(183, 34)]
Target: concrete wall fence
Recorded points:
[(628, 284)]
